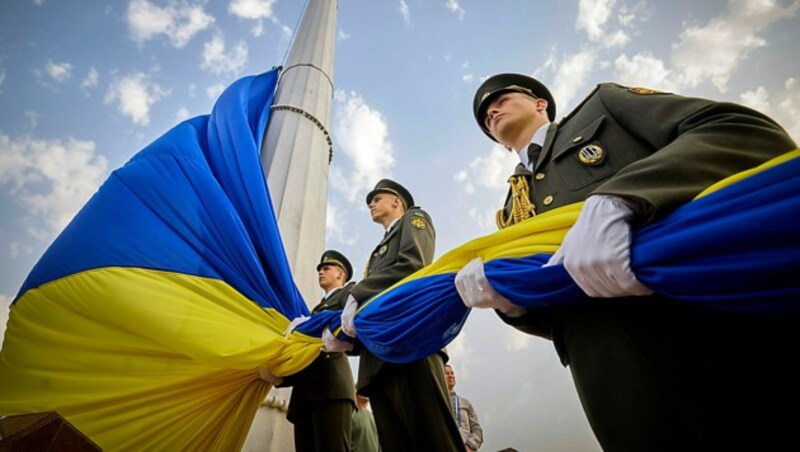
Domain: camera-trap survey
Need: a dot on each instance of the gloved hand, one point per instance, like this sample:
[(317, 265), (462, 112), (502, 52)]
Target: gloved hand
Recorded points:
[(476, 292), (348, 314), (332, 344), (267, 376), (596, 252), (294, 324)]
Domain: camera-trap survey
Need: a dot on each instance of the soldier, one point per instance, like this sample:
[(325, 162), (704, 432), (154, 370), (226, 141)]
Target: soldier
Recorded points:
[(652, 373), (323, 398), (410, 402)]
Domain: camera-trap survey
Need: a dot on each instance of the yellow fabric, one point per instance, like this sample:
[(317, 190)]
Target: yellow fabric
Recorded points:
[(189, 377), (537, 235), (541, 234), (747, 173)]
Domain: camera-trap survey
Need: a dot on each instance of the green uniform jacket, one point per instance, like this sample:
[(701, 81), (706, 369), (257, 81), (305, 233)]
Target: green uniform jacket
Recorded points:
[(406, 248), (327, 378), (658, 150)]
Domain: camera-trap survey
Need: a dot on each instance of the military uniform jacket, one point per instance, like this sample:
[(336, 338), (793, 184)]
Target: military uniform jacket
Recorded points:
[(329, 376), (657, 150), (407, 247)]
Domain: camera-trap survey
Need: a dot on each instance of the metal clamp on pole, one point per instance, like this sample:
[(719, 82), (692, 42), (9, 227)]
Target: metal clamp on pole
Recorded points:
[(314, 120)]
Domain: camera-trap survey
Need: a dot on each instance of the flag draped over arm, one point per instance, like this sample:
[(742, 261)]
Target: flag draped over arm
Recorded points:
[(735, 248), (146, 321)]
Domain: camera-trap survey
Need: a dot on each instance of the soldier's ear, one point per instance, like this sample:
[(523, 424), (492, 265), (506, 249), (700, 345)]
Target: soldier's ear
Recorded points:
[(541, 104)]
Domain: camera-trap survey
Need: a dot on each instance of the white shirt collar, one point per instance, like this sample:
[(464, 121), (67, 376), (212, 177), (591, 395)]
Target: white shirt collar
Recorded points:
[(388, 228), (328, 293), (538, 138)]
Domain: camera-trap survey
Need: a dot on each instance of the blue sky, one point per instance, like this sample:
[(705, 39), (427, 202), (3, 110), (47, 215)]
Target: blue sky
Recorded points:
[(85, 85)]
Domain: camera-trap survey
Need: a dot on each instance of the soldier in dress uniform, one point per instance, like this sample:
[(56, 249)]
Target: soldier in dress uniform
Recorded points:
[(410, 402), (651, 373), (323, 398)]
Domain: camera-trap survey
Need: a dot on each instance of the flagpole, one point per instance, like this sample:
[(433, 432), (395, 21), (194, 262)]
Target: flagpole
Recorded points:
[(297, 150), (295, 155)]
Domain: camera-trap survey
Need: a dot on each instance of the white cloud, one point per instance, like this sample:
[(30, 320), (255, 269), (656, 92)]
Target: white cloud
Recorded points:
[(716, 49), (51, 179), (757, 99), (219, 60), (593, 15), (491, 170), (178, 21), (33, 119), (182, 114), (336, 226), (453, 6), (2, 79), (786, 111), (484, 181), (258, 29), (252, 9), (91, 79), (571, 76), (363, 137), (342, 35), (405, 11), (617, 39), (58, 71), (516, 340), (39, 2), (213, 91), (257, 10), (134, 95), (644, 69), (14, 249)]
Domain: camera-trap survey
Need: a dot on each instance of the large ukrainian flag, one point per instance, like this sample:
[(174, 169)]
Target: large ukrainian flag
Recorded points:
[(146, 321)]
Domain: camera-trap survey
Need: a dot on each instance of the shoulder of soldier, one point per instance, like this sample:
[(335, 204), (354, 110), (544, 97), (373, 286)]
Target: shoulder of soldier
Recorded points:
[(595, 92), (340, 297), (417, 218), (608, 89)]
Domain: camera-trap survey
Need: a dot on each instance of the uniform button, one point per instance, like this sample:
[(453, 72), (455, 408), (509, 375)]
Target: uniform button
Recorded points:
[(538, 176), (576, 139), (547, 200)]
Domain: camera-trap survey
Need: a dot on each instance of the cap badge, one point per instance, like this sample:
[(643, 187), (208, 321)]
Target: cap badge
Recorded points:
[(521, 89)]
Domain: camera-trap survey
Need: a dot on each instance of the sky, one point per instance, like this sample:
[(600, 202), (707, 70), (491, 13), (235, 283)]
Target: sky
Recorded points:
[(85, 85)]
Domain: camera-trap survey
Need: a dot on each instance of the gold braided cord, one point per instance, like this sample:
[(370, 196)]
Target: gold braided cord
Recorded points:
[(521, 206)]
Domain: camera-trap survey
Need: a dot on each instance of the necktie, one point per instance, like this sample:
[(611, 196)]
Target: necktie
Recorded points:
[(533, 153)]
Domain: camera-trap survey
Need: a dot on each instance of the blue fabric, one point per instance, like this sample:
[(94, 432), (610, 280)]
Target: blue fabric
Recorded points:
[(736, 249), (195, 201)]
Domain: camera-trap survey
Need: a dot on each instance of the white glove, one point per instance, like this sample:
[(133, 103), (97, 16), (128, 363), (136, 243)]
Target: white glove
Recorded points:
[(348, 314), (332, 344), (596, 252), (476, 292), (294, 324), (267, 376)]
